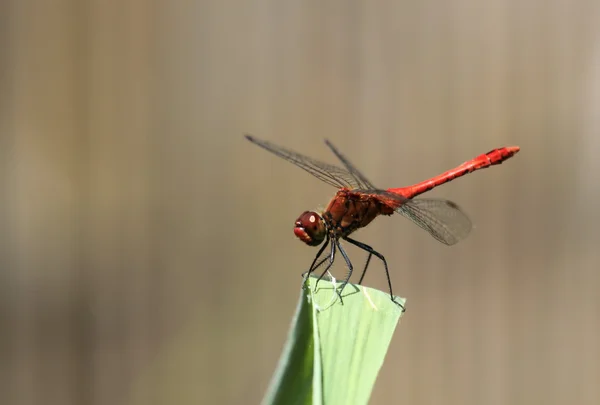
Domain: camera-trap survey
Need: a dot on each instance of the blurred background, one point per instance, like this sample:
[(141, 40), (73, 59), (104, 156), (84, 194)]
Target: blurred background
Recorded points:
[(146, 248)]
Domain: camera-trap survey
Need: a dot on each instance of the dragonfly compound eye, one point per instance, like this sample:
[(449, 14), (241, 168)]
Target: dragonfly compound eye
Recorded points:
[(310, 228)]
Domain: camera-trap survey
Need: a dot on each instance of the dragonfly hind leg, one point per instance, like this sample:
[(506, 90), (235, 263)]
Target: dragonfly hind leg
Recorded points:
[(372, 252)]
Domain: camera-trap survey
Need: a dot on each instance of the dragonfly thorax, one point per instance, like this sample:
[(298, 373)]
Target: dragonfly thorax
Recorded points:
[(310, 228)]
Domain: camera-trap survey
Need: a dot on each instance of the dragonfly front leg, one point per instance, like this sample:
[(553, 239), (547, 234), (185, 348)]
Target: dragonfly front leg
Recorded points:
[(312, 267)]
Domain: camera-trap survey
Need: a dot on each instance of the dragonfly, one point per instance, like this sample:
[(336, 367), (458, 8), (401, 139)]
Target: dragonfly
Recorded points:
[(358, 202)]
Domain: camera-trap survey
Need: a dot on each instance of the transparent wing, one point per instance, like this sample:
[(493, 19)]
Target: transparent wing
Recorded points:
[(330, 174), (443, 219), (361, 180)]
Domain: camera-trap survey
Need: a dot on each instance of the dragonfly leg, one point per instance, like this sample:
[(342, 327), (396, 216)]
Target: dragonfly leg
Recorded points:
[(349, 264), (372, 251), (312, 267), (318, 265), (331, 259), (365, 269)]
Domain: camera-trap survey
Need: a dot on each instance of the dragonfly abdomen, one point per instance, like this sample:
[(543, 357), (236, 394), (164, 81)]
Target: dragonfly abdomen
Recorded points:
[(493, 157)]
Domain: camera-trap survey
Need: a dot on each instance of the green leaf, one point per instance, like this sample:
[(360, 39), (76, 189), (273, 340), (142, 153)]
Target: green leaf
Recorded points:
[(334, 350)]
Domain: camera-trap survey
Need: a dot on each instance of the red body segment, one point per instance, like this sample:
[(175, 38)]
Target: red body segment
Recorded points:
[(494, 157)]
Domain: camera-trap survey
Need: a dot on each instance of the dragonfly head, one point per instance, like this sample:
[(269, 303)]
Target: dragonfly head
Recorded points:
[(310, 228)]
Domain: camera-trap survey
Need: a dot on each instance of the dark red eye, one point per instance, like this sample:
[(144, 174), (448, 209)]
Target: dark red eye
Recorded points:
[(310, 228)]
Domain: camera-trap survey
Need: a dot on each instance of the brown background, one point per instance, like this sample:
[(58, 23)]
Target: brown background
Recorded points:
[(146, 249)]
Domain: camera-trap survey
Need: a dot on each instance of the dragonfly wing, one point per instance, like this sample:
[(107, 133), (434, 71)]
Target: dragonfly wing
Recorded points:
[(330, 174), (361, 181), (442, 219)]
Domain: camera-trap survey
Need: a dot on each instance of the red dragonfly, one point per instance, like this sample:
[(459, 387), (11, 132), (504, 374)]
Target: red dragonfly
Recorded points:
[(358, 202)]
